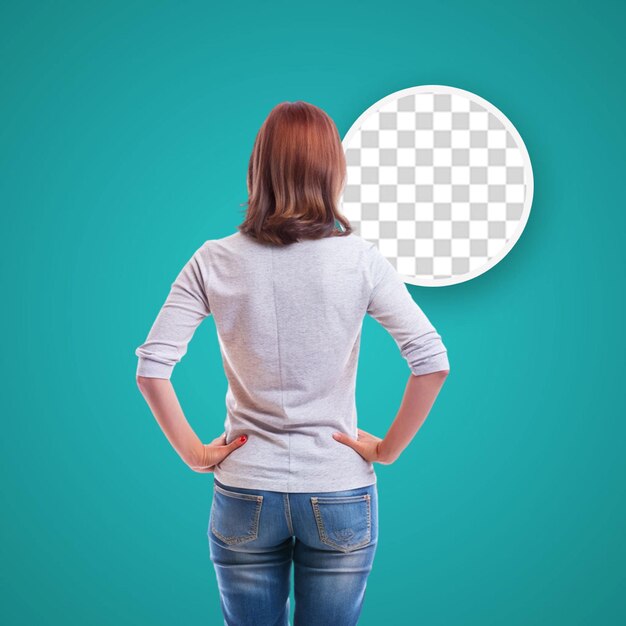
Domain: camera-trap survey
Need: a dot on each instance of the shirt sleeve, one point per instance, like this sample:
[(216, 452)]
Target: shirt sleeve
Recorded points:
[(393, 307), (184, 309)]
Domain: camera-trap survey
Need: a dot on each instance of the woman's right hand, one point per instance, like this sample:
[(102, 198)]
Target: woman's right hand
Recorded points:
[(367, 445)]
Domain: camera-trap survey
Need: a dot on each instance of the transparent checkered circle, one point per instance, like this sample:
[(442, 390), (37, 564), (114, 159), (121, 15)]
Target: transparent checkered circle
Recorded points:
[(440, 180)]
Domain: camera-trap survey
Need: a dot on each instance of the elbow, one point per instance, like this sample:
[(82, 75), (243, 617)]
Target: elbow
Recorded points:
[(436, 364), (146, 383), (148, 368), (142, 383), (442, 374), (438, 374)]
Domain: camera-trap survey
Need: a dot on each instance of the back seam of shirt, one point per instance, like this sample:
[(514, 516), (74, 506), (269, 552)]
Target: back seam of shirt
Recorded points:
[(280, 369)]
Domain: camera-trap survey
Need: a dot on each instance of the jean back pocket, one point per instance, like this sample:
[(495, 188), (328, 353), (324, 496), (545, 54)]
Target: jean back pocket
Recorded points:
[(235, 516), (343, 522)]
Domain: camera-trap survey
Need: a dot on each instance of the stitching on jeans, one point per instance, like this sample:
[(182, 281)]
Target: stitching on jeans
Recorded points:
[(322, 530), (341, 499), (249, 537), (236, 494), (288, 512), (253, 534)]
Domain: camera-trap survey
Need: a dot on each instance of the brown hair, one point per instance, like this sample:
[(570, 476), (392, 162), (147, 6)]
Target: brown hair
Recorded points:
[(296, 174)]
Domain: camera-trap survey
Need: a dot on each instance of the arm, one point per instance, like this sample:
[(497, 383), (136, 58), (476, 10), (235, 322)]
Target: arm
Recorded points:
[(161, 398), (184, 309), (420, 345), (419, 397)]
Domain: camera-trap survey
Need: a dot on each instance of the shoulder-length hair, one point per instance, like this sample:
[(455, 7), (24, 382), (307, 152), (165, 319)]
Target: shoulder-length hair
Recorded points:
[(296, 174)]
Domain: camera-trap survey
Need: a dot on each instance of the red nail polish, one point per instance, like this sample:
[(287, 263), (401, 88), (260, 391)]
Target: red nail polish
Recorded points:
[(243, 438)]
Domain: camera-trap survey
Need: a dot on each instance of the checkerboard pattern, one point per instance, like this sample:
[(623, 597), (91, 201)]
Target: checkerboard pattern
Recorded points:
[(437, 182)]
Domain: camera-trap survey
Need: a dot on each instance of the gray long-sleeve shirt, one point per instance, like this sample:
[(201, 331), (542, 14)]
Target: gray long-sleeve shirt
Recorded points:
[(289, 322)]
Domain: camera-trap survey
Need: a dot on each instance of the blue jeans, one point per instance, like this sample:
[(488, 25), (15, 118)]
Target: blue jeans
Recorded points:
[(254, 535)]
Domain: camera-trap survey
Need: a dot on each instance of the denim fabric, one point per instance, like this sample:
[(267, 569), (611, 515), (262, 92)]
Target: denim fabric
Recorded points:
[(255, 536)]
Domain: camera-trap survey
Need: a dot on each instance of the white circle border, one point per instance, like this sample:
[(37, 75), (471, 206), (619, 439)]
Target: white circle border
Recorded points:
[(528, 199)]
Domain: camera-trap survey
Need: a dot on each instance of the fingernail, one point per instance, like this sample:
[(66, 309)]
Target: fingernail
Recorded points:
[(243, 438)]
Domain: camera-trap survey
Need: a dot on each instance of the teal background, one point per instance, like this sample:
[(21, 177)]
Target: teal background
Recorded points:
[(125, 133)]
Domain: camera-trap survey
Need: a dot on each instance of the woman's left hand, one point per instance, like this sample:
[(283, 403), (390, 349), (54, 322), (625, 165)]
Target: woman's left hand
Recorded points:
[(215, 452)]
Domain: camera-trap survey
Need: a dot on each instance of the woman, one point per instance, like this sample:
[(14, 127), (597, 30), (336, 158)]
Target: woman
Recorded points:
[(294, 478)]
